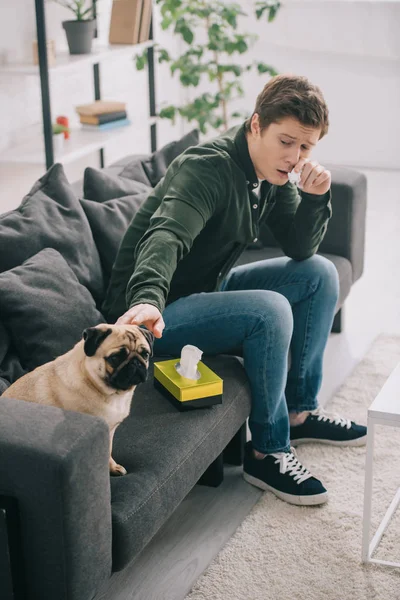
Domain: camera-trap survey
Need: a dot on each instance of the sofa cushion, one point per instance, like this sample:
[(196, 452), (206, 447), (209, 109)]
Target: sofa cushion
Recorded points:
[(345, 272), (165, 453), (342, 265), (152, 168), (10, 369), (147, 169), (131, 167), (4, 346), (45, 308), (10, 365), (50, 216), (3, 385), (4, 342), (101, 186), (109, 220), (156, 165)]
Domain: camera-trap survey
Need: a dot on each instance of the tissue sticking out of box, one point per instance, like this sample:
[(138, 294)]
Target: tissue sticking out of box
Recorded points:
[(187, 366), (294, 177)]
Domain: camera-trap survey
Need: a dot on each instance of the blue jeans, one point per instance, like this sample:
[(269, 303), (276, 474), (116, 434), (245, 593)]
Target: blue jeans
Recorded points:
[(262, 310)]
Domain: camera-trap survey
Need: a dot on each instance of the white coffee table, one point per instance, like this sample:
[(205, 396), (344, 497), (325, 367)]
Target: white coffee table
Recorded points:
[(385, 410)]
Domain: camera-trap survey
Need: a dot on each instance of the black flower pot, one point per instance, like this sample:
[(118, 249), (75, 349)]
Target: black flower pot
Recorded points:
[(80, 35)]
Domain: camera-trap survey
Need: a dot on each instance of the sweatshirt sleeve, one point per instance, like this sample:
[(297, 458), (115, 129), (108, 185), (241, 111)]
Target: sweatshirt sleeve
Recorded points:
[(298, 222), (188, 202)]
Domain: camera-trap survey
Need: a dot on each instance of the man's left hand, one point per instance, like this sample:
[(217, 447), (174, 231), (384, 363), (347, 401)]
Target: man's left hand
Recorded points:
[(314, 178)]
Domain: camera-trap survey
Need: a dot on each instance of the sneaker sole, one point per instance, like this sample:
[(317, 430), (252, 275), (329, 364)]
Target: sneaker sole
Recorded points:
[(361, 441), (290, 498)]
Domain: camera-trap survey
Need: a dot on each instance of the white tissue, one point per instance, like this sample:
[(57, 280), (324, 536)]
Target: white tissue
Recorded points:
[(187, 367), (294, 177)]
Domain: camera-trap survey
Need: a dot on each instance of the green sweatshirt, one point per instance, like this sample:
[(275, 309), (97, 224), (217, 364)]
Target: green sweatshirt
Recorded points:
[(200, 217)]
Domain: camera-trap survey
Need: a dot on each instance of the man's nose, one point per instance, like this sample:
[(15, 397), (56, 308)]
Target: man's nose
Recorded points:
[(293, 156)]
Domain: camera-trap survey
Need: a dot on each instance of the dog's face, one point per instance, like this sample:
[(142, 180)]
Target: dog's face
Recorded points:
[(118, 355)]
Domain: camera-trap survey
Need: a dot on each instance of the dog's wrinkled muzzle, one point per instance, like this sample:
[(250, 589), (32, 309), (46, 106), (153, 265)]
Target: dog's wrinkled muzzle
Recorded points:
[(130, 374)]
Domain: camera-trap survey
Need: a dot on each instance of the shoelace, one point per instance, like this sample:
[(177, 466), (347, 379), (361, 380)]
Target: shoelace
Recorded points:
[(288, 462), (336, 419)]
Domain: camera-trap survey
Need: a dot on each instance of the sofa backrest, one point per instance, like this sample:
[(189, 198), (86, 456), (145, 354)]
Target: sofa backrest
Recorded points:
[(56, 254)]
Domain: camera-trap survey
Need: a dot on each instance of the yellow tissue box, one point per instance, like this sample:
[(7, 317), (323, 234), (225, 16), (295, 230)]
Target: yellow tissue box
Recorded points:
[(186, 394)]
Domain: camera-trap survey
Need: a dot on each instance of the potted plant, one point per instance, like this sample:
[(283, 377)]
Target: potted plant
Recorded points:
[(80, 31), (211, 47), (58, 138)]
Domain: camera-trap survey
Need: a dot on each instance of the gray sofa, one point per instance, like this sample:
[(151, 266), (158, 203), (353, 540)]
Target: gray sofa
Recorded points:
[(65, 526)]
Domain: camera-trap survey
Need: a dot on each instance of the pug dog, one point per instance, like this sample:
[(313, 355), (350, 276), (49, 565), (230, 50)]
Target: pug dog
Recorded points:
[(97, 376)]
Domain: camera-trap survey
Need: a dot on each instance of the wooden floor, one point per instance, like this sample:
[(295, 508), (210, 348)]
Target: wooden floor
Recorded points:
[(199, 528)]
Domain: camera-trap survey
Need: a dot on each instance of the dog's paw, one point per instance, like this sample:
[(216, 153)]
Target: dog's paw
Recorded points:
[(117, 470)]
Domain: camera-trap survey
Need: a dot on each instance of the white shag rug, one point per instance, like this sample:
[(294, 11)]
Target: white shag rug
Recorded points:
[(286, 552)]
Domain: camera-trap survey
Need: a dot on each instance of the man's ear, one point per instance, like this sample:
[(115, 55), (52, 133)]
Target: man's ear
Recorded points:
[(149, 335), (93, 337), (255, 124)]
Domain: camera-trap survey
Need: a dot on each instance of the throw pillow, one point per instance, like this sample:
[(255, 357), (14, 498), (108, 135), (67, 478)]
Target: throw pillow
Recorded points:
[(101, 186), (3, 385), (4, 342), (155, 166), (10, 366), (109, 220), (139, 174), (44, 308), (50, 216), (10, 369)]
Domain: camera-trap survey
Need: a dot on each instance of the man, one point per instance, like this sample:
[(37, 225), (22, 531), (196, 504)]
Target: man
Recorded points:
[(174, 275)]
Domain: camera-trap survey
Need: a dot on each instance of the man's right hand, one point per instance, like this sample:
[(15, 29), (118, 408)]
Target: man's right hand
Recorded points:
[(144, 314)]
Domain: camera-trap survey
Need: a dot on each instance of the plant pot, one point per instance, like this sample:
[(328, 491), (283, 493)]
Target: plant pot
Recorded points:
[(58, 144), (80, 35)]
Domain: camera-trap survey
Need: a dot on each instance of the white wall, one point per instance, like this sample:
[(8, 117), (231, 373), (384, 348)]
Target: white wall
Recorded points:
[(350, 48)]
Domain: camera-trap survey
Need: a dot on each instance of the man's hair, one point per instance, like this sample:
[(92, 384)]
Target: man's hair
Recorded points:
[(291, 96)]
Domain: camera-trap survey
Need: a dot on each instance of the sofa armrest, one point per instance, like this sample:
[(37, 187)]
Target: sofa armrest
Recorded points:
[(55, 464), (345, 235)]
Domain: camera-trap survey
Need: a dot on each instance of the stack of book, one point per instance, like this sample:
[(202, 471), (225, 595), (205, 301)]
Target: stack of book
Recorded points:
[(103, 114)]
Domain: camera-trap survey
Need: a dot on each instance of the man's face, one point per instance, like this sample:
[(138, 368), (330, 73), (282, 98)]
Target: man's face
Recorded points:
[(278, 148)]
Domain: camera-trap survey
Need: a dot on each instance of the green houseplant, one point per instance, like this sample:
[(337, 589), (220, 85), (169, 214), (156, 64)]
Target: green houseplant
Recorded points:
[(212, 42), (80, 31)]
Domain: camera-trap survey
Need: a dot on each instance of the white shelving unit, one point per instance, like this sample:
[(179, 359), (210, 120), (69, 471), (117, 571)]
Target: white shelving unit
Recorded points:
[(36, 149), (81, 142), (69, 63)]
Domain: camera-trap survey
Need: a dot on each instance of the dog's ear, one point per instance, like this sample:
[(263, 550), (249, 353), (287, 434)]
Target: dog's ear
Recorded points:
[(93, 337), (149, 335)]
